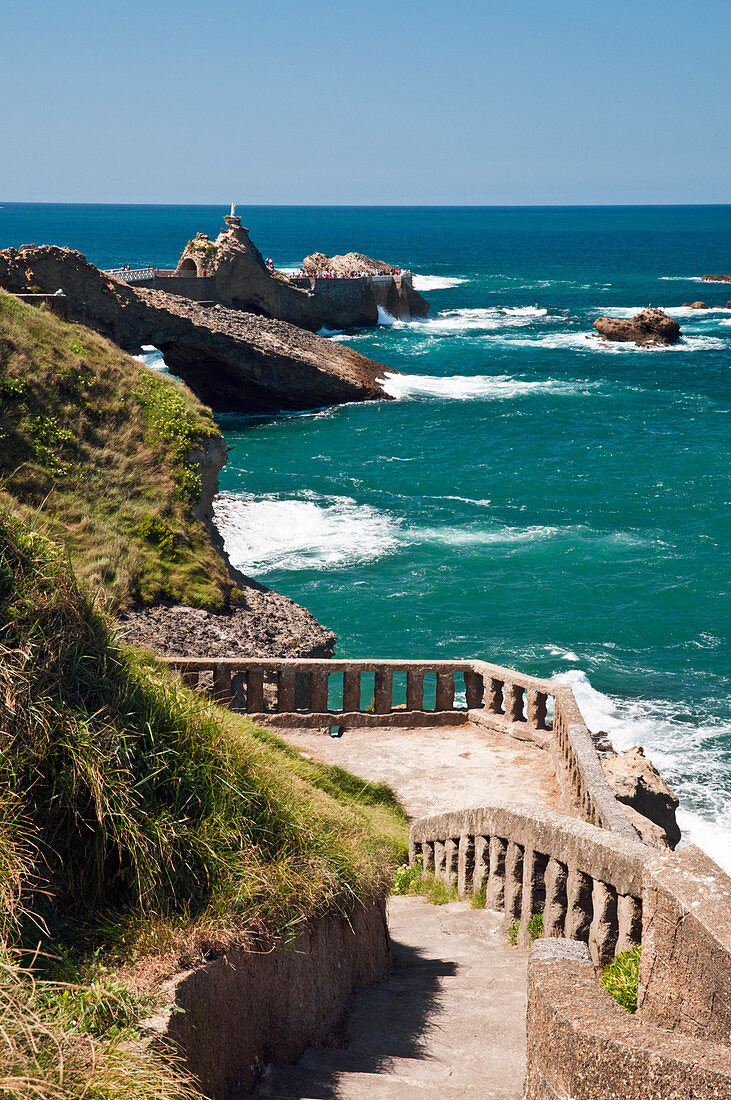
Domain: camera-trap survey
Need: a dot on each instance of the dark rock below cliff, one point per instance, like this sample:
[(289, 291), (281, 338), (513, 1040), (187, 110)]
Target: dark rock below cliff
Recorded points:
[(646, 798), (649, 326)]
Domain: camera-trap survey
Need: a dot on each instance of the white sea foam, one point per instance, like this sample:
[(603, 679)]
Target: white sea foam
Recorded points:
[(435, 282), (688, 279), (705, 818), (485, 536), (450, 322), (465, 387), (151, 357), (263, 534), (586, 341), (673, 311)]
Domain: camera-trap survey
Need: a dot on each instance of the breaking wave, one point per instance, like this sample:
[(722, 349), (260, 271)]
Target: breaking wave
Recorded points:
[(466, 387), (435, 282), (485, 319), (705, 814), (272, 533)]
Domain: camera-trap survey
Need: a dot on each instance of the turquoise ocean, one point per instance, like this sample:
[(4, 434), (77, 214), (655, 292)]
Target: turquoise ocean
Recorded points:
[(531, 496)]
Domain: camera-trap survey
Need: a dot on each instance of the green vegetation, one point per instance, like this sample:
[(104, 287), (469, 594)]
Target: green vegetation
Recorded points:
[(410, 879), (620, 978), (97, 451), (136, 819), (535, 929)]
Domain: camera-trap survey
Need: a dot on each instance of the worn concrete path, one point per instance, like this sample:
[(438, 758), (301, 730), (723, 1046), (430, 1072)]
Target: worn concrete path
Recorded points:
[(449, 1021), (440, 769)]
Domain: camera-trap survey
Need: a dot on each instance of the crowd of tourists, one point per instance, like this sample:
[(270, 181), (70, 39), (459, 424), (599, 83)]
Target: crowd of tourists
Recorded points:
[(303, 274)]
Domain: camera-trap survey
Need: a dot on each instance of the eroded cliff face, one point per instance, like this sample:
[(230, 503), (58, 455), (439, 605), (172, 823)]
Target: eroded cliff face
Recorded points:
[(232, 360), (646, 798)]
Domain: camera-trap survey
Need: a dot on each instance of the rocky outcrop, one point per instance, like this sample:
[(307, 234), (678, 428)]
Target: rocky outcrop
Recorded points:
[(238, 276), (232, 360), (352, 263), (717, 278), (648, 327), (645, 796), (696, 305)]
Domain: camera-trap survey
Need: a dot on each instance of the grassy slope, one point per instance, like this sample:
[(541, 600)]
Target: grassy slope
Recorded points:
[(98, 446), (136, 817)]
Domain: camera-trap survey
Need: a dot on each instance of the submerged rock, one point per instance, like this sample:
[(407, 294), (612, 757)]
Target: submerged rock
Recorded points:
[(649, 327), (645, 796)]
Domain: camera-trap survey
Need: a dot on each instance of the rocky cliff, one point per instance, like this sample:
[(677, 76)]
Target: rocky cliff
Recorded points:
[(239, 277), (232, 360)]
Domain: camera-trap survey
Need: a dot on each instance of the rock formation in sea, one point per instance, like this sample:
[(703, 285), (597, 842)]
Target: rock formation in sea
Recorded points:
[(717, 278), (232, 360), (649, 327), (696, 305), (237, 275)]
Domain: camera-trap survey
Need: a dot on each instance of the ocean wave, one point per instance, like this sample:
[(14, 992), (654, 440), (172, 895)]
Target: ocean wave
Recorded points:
[(465, 387), (272, 533), (587, 341), (687, 279), (151, 357), (673, 311), (435, 282), (384, 317), (450, 322), (484, 536), (705, 813)]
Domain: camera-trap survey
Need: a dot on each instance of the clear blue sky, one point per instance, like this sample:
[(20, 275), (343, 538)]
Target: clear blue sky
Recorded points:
[(323, 101)]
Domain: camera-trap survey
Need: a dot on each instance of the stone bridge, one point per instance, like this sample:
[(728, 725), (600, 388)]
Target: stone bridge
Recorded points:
[(232, 360)]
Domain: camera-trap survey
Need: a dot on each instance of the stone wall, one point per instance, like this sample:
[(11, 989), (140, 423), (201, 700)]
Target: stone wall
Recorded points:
[(245, 1009), (685, 972), (583, 1046)]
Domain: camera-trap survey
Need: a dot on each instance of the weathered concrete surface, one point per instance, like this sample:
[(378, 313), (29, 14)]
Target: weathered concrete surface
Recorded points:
[(685, 969), (232, 360), (448, 1022), (245, 1007), (583, 1046), (438, 770)]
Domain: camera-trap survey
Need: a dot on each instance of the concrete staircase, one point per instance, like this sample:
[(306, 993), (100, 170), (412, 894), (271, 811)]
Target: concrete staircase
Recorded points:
[(449, 1021)]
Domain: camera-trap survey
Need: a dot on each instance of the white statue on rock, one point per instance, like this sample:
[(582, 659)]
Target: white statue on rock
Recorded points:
[(233, 209)]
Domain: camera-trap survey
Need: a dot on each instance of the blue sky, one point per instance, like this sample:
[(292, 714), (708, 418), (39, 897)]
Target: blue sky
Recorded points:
[(376, 103)]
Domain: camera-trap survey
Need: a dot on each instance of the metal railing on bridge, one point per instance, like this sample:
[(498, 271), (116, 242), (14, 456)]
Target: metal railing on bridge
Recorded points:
[(131, 274)]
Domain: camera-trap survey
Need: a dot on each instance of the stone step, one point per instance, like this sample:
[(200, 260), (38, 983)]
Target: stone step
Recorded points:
[(295, 1083)]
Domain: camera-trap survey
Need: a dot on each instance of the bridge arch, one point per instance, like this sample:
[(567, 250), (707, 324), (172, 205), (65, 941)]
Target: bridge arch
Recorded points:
[(188, 266)]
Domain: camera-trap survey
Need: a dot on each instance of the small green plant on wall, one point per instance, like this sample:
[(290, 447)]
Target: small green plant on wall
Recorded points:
[(620, 978)]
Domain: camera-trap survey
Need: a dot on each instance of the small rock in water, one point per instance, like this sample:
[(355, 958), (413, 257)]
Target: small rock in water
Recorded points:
[(648, 327)]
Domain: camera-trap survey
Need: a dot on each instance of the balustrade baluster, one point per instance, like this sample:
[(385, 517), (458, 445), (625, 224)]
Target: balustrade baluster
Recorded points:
[(351, 690), (383, 690), (474, 689), (438, 859), (481, 868), (465, 865), (536, 703), (285, 690), (427, 858), (318, 691), (629, 919), (302, 691), (254, 690), (514, 881), (534, 890), (496, 882), (604, 930), (513, 702), (445, 691), (579, 906), (222, 685), (451, 854), (414, 689), (494, 696), (554, 912)]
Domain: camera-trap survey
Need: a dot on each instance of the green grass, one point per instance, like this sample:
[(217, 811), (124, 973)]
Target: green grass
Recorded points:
[(410, 879), (137, 819), (621, 976), (96, 450), (535, 929)]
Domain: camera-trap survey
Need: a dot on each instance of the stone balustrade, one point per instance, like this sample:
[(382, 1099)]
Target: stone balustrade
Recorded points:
[(585, 881), (320, 693)]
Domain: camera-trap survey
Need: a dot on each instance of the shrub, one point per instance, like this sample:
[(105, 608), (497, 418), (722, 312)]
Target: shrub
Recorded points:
[(620, 978)]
